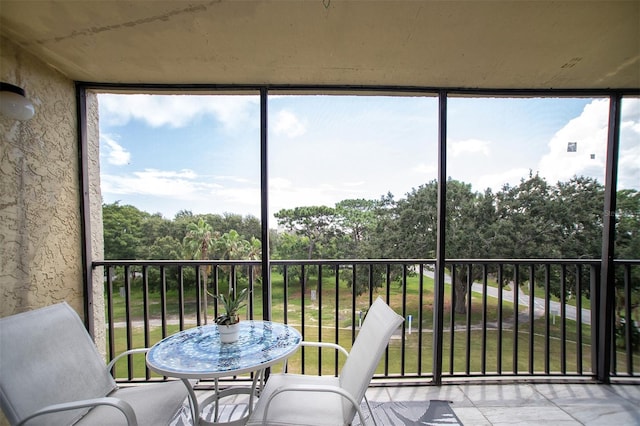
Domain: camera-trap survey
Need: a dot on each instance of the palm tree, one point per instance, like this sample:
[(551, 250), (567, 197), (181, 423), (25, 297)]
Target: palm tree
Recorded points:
[(231, 245), (255, 253), (196, 244)]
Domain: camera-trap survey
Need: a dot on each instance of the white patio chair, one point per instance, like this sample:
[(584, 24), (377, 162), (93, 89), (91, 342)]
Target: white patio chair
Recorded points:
[(295, 399), (52, 374)]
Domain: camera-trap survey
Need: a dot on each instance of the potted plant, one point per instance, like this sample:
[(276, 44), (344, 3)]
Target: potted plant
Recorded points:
[(228, 321)]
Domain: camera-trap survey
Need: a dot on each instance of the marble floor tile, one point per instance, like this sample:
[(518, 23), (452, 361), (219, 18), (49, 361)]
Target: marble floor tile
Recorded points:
[(526, 415), (425, 393), (533, 404), (470, 416), (629, 392), (604, 413), (523, 404), (505, 395)]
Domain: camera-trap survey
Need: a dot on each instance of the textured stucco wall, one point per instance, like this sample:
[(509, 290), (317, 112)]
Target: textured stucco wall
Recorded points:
[(40, 238), (40, 219)]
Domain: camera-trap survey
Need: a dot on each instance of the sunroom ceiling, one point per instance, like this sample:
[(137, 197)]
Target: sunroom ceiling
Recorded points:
[(468, 44)]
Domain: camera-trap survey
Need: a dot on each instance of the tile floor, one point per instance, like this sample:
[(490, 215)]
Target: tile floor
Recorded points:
[(528, 404), (525, 403)]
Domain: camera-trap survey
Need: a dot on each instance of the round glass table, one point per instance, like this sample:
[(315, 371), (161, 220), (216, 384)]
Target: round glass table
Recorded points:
[(197, 353)]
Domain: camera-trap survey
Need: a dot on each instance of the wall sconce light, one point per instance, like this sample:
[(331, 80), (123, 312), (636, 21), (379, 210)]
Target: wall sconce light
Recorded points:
[(14, 104)]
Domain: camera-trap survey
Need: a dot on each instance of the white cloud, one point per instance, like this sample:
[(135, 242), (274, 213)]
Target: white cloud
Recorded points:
[(181, 184), (496, 181), (629, 156), (115, 153), (174, 110), (589, 131), (234, 179), (287, 123), (469, 146), (429, 170), (248, 197), (284, 194), (279, 183), (298, 196), (172, 190)]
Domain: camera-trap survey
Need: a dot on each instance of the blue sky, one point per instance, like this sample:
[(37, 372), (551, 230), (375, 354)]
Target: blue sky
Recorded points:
[(165, 153)]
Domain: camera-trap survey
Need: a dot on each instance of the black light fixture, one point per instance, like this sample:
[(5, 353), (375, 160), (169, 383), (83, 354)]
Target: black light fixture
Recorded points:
[(14, 104)]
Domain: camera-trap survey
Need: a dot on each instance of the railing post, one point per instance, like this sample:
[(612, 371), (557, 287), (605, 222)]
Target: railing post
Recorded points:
[(264, 208), (594, 288), (607, 289), (438, 305)]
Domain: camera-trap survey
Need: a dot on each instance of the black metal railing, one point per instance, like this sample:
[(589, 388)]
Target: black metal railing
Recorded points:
[(501, 318)]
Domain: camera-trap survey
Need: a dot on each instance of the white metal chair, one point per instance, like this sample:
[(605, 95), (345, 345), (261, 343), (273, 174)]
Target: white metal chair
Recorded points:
[(295, 399), (52, 374)]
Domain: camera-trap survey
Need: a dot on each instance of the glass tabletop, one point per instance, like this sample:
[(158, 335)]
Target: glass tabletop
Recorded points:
[(198, 352)]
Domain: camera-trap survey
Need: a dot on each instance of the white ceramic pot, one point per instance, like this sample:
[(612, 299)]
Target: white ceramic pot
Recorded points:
[(229, 333)]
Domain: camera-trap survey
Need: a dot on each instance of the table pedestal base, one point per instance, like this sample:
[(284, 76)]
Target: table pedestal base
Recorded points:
[(215, 399), (197, 408)]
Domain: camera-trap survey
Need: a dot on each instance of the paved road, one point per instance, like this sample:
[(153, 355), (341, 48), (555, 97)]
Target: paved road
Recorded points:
[(523, 300)]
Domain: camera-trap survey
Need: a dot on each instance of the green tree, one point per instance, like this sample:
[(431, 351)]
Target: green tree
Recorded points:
[(527, 225), (122, 230), (627, 242), (469, 229), (164, 248), (385, 240), (290, 246), (538, 220), (231, 246), (197, 244), (627, 246), (417, 222), (255, 253), (578, 207), (317, 223), (469, 234), (152, 228), (247, 226), (177, 227), (357, 219)]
